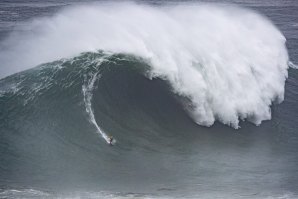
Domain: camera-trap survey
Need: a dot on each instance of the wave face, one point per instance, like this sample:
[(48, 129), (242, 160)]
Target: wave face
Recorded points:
[(53, 118), (229, 63)]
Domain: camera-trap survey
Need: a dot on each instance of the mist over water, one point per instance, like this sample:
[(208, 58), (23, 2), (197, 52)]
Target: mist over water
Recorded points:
[(201, 99)]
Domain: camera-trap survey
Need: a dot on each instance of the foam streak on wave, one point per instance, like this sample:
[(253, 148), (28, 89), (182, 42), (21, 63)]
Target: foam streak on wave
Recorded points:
[(87, 90), (230, 62)]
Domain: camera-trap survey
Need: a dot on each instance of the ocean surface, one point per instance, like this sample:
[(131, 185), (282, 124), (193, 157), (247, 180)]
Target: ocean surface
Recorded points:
[(201, 98)]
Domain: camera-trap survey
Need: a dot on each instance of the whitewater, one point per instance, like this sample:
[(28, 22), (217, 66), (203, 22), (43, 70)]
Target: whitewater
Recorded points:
[(230, 63)]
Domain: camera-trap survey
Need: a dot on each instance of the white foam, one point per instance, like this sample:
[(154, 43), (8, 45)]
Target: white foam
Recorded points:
[(230, 62), (292, 65)]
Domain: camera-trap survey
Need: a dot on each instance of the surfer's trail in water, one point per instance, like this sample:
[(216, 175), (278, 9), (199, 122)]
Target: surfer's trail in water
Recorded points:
[(172, 83), (87, 90)]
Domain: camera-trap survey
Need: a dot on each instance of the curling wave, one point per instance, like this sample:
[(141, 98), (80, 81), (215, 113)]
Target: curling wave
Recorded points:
[(230, 63)]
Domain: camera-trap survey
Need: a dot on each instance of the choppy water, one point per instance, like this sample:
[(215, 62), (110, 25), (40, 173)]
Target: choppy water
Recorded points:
[(200, 98)]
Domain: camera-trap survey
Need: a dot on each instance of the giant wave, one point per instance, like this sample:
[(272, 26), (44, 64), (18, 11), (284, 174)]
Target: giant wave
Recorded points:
[(229, 63)]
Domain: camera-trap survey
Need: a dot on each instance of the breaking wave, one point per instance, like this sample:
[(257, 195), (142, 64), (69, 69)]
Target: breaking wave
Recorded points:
[(229, 63)]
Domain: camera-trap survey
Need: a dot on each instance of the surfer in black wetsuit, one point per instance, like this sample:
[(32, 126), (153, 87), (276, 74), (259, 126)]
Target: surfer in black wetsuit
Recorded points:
[(111, 140)]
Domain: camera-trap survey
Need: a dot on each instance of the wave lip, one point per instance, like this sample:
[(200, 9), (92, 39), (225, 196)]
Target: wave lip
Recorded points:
[(231, 63)]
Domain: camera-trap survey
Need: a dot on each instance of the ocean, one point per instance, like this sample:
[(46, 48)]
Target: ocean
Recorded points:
[(200, 97)]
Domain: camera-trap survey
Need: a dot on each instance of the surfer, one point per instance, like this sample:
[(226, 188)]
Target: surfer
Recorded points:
[(111, 140)]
